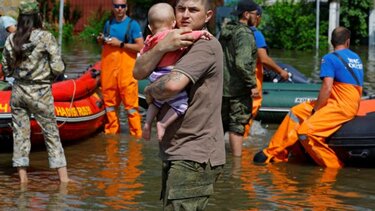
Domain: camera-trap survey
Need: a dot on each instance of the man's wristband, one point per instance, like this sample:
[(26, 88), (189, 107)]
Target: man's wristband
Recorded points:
[(122, 45)]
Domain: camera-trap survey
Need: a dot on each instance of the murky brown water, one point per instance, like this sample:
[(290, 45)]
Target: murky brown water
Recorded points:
[(121, 173)]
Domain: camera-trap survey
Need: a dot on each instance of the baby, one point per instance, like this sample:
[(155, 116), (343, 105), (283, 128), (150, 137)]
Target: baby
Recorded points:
[(161, 21)]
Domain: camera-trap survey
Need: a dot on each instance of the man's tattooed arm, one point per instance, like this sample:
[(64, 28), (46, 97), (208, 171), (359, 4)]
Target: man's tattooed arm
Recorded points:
[(167, 86)]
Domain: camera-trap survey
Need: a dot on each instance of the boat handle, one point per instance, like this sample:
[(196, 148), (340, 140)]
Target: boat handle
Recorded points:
[(364, 154)]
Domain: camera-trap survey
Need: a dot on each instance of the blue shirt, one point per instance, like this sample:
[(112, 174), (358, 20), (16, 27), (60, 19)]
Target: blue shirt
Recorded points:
[(331, 66), (260, 41), (119, 29)]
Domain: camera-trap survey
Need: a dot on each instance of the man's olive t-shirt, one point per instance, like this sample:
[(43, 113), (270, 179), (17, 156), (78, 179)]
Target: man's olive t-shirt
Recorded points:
[(198, 135)]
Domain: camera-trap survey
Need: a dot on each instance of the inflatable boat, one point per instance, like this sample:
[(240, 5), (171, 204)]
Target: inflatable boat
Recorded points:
[(280, 95), (278, 98), (79, 109), (354, 142)]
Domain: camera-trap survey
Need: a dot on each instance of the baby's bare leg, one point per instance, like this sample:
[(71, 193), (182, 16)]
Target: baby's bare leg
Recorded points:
[(152, 111), (161, 125)]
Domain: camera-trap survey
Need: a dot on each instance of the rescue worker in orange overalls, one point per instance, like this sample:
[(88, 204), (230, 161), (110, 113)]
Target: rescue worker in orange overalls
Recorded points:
[(311, 123), (263, 60), (122, 40)]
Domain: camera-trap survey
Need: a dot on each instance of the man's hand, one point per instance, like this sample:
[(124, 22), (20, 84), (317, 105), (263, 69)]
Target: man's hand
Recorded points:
[(284, 74), (176, 39), (255, 93), (113, 41), (100, 38)]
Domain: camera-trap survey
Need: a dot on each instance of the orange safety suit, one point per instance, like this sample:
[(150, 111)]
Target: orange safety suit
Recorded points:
[(118, 84), (312, 130), (257, 102)]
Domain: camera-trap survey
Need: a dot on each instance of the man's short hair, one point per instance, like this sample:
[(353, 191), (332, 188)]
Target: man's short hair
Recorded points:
[(206, 4), (339, 36)]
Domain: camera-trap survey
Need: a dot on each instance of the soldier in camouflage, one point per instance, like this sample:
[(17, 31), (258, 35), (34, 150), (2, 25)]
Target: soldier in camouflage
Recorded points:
[(31, 56), (240, 55)]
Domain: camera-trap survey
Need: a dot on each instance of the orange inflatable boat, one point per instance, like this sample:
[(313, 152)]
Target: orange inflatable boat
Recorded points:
[(79, 109)]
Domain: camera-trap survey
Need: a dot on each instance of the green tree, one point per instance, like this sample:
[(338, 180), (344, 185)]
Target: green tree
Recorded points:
[(95, 25), (354, 15), (291, 25)]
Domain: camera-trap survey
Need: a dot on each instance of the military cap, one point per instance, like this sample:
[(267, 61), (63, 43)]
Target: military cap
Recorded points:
[(29, 7), (244, 5)]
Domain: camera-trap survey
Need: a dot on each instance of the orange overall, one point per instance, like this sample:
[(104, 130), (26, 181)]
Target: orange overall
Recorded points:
[(118, 84), (312, 130), (257, 102)]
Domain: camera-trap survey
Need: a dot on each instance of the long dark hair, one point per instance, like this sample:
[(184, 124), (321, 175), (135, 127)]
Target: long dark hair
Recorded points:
[(26, 24)]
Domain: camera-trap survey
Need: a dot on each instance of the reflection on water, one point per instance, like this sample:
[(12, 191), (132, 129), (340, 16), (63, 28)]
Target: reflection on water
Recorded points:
[(122, 173)]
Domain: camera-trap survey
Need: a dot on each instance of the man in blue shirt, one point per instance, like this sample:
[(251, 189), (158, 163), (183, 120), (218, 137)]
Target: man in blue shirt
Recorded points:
[(264, 60), (310, 123), (122, 40), (263, 56)]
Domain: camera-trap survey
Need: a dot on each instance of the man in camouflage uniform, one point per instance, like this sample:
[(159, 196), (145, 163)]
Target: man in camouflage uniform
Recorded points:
[(240, 55), (34, 63)]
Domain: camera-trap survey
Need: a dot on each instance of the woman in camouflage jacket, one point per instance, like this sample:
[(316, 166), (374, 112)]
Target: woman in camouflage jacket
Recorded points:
[(31, 56)]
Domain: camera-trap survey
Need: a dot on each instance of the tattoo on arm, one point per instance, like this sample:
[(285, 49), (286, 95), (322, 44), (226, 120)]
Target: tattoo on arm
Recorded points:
[(160, 90)]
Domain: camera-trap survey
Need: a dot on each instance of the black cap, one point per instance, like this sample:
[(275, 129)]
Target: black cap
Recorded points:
[(245, 5)]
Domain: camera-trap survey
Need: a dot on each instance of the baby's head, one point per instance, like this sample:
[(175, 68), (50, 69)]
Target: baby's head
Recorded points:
[(161, 17)]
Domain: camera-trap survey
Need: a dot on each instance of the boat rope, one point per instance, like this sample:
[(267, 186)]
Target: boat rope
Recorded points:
[(70, 106), (71, 102)]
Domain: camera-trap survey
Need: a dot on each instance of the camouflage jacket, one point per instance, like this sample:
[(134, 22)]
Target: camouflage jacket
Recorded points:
[(41, 63), (240, 55)]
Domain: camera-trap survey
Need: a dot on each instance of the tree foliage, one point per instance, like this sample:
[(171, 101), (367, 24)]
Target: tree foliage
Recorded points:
[(292, 25), (354, 15), (95, 25)]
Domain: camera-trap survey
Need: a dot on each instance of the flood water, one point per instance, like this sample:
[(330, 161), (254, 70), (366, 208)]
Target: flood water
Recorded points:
[(118, 172)]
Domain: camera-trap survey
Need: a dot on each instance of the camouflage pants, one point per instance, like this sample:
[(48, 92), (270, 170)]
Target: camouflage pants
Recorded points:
[(187, 185), (236, 113), (34, 99)]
